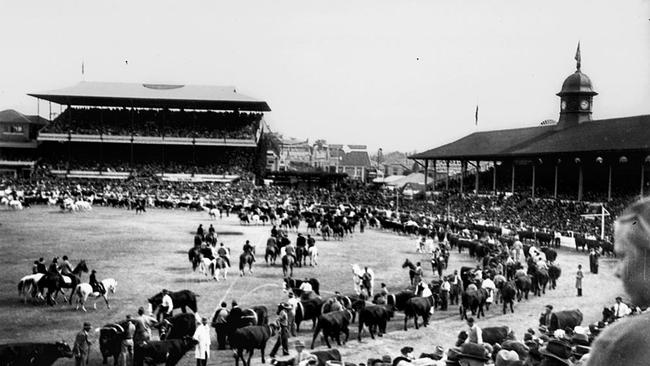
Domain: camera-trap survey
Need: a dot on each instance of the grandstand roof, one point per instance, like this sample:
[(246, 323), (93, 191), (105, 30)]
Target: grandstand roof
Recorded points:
[(607, 135), (92, 93), (12, 116)]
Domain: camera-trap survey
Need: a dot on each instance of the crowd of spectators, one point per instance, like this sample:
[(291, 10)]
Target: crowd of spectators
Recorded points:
[(156, 123)]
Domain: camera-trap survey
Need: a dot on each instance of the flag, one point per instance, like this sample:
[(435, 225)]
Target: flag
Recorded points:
[(82, 67), (476, 116), (578, 58)]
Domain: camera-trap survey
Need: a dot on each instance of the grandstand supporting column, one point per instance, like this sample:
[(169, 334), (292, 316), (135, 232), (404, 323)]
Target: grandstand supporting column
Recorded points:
[(132, 117), (512, 184), (580, 178), (494, 177), (555, 185), (463, 167), (447, 178), (478, 170), (609, 184), (435, 174), (426, 176), (533, 184), (642, 176)]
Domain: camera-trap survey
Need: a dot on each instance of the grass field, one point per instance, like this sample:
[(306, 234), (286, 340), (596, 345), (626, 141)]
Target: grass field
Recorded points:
[(147, 253)]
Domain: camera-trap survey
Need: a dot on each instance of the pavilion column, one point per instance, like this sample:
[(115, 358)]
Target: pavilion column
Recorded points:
[(609, 184), (426, 176), (642, 177), (478, 169), (447, 178), (555, 185), (463, 166), (533, 185), (494, 177), (132, 133), (435, 174), (580, 179), (512, 183)]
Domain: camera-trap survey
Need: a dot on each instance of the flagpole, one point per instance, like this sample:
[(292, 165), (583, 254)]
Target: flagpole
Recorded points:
[(602, 222)]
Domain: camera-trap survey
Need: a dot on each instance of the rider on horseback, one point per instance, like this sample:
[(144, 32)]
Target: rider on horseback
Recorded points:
[(223, 253), (248, 248), (54, 266), (96, 285), (66, 267)]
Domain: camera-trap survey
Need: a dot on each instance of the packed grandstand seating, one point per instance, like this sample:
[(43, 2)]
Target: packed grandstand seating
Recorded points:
[(157, 123)]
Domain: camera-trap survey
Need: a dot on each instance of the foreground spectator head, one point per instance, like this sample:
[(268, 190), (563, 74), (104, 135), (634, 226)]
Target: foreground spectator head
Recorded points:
[(453, 356), (472, 354), (556, 352), (507, 358)]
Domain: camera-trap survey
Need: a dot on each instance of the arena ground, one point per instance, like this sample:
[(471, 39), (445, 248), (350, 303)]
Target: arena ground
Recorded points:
[(146, 253)]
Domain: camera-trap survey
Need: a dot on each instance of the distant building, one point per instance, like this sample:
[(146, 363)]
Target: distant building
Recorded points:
[(18, 133)]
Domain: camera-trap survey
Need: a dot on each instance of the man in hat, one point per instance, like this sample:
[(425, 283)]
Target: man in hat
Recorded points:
[(81, 347), (54, 266), (303, 358), (167, 305), (620, 308), (626, 341), (66, 267), (143, 324), (593, 261), (405, 357), (202, 349), (507, 358), (220, 324), (579, 277), (283, 335), (126, 350), (40, 266), (472, 354), (474, 333), (95, 284), (556, 353), (293, 303), (545, 318)]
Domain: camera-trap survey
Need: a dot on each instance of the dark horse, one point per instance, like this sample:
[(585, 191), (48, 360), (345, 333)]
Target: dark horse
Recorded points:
[(194, 255), (408, 264), (55, 283), (271, 253), (287, 265), (181, 300), (244, 259)]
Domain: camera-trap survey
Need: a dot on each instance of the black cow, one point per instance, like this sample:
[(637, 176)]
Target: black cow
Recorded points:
[(563, 319), (374, 316), (551, 254), (177, 327), (508, 295), (554, 272), (398, 300), (33, 354), (294, 285), (182, 299), (168, 352), (491, 335), (110, 340), (418, 306), (333, 324), (474, 300), (250, 338), (256, 315), (308, 310), (323, 357), (524, 285)]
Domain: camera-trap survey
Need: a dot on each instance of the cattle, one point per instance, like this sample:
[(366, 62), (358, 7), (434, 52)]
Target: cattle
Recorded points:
[(418, 306), (322, 356), (374, 317), (33, 354), (181, 299), (256, 315), (178, 326), (398, 300), (250, 338), (168, 352), (110, 340), (474, 300), (539, 280), (333, 324), (294, 285), (491, 335), (554, 272), (563, 319), (308, 310), (508, 294), (524, 285), (551, 254)]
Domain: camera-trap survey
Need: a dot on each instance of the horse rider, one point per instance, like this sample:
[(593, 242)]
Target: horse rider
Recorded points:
[(40, 266), (211, 230), (199, 231), (54, 266), (274, 231), (419, 273), (66, 267), (96, 285), (248, 248), (223, 252), (310, 241), (301, 241)]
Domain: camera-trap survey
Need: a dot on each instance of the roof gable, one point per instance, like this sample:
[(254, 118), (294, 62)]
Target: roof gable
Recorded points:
[(356, 158)]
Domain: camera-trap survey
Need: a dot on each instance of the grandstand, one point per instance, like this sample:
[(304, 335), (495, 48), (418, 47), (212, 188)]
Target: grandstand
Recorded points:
[(176, 132)]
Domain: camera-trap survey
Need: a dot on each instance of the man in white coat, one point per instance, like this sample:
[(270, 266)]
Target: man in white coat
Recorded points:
[(202, 350)]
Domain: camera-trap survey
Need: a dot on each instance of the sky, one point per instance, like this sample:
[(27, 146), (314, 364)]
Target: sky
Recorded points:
[(398, 75)]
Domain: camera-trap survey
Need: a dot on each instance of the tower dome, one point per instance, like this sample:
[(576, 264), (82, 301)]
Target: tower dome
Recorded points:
[(577, 83), (576, 97)]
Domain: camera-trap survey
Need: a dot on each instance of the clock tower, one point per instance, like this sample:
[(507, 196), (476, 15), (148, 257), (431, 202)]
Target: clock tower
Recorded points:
[(576, 98)]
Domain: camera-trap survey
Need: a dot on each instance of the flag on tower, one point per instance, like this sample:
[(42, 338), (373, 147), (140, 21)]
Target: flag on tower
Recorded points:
[(476, 116), (82, 67), (578, 58)]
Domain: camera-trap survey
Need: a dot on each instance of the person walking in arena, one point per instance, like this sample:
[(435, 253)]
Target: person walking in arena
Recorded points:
[(626, 341), (143, 324), (81, 348), (579, 277), (126, 350), (220, 324), (283, 335), (202, 349), (167, 305)]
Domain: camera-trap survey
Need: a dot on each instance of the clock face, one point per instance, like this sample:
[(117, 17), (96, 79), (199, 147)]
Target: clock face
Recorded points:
[(584, 104), (563, 105)]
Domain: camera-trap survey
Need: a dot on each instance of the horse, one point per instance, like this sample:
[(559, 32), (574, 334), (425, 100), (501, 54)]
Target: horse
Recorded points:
[(408, 264), (243, 218), (244, 259), (360, 283), (325, 231), (271, 253), (301, 256), (214, 267), (28, 285), (55, 283), (313, 255), (195, 255), (287, 265), (83, 290)]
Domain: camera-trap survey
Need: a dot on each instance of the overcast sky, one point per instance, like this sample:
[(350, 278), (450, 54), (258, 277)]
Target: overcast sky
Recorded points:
[(401, 74)]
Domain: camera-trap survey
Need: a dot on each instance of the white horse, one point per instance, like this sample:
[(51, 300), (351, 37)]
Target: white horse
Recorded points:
[(84, 290), (15, 205), (28, 285), (212, 212), (216, 267), (313, 255), (357, 275), (83, 206)]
